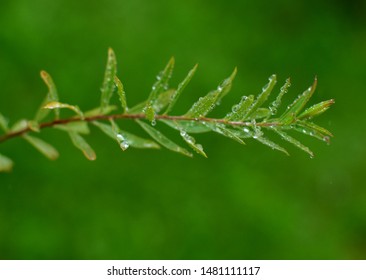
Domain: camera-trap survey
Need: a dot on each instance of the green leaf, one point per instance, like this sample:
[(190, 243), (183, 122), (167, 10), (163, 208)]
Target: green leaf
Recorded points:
[(42, 113), (223, 130), (206, 104), (188, 126), (20, 125), (121, 139), (270, 144), (107, 129), (42, 146), (240, 110), (80, 143), (294, 109), (316, 110), (192, 143), (159, 104), (4, 124), (121, 94), (96, 111), (162, 82), (180, 89), (6, 164), (313, 130), (262, 97), (189, 139), (163, 100), (163, 140), (108, 82), (276, 104), (58, 105), (261, 113), (78, 127), (150, 113), (133, 140), (293, 141), (51, 96)]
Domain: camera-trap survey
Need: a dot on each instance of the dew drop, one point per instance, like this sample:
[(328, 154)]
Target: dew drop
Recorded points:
[(124, 145), (235, 108), (153, 122)]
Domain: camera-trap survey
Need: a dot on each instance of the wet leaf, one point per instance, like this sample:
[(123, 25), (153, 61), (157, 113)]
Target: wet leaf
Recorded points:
[(206, 104), (316, 110), (270, 144), (108, 82), (162, 81), (313, 130), (150, 113), (58, 105), (188, 126), (294, 109), (80, 143), (162, 139), (262, 97), (42, 146), (121, 94), (293, 141), (6, 164), (240, 110), (192, 143), (133, 140), (181, 87), (121, 139), (261, 113), (189, 139), (276, 104)]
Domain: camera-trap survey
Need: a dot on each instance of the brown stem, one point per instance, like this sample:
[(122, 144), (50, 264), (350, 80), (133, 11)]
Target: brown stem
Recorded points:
[(13, 134)]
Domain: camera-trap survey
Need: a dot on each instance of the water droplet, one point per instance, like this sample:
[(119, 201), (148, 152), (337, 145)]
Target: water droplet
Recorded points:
[(124, 145), (120, 137), (219, 88), (153, 122), (235, 108), (246, 130), (183, 133)]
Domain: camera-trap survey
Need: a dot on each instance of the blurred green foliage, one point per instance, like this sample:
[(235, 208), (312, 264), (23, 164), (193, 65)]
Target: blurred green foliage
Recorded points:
[(242, 202)]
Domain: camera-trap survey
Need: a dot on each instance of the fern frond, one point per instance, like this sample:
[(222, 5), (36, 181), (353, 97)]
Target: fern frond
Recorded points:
[(250, 118)]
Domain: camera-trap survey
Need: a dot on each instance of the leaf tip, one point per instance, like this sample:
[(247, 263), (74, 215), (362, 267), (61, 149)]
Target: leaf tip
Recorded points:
[(111, 52)]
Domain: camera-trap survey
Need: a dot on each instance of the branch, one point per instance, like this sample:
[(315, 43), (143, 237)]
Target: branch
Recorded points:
[(249, 118), (53, 123)]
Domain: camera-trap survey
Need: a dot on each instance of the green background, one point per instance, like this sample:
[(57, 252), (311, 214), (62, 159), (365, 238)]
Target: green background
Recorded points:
[(243, 202)]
